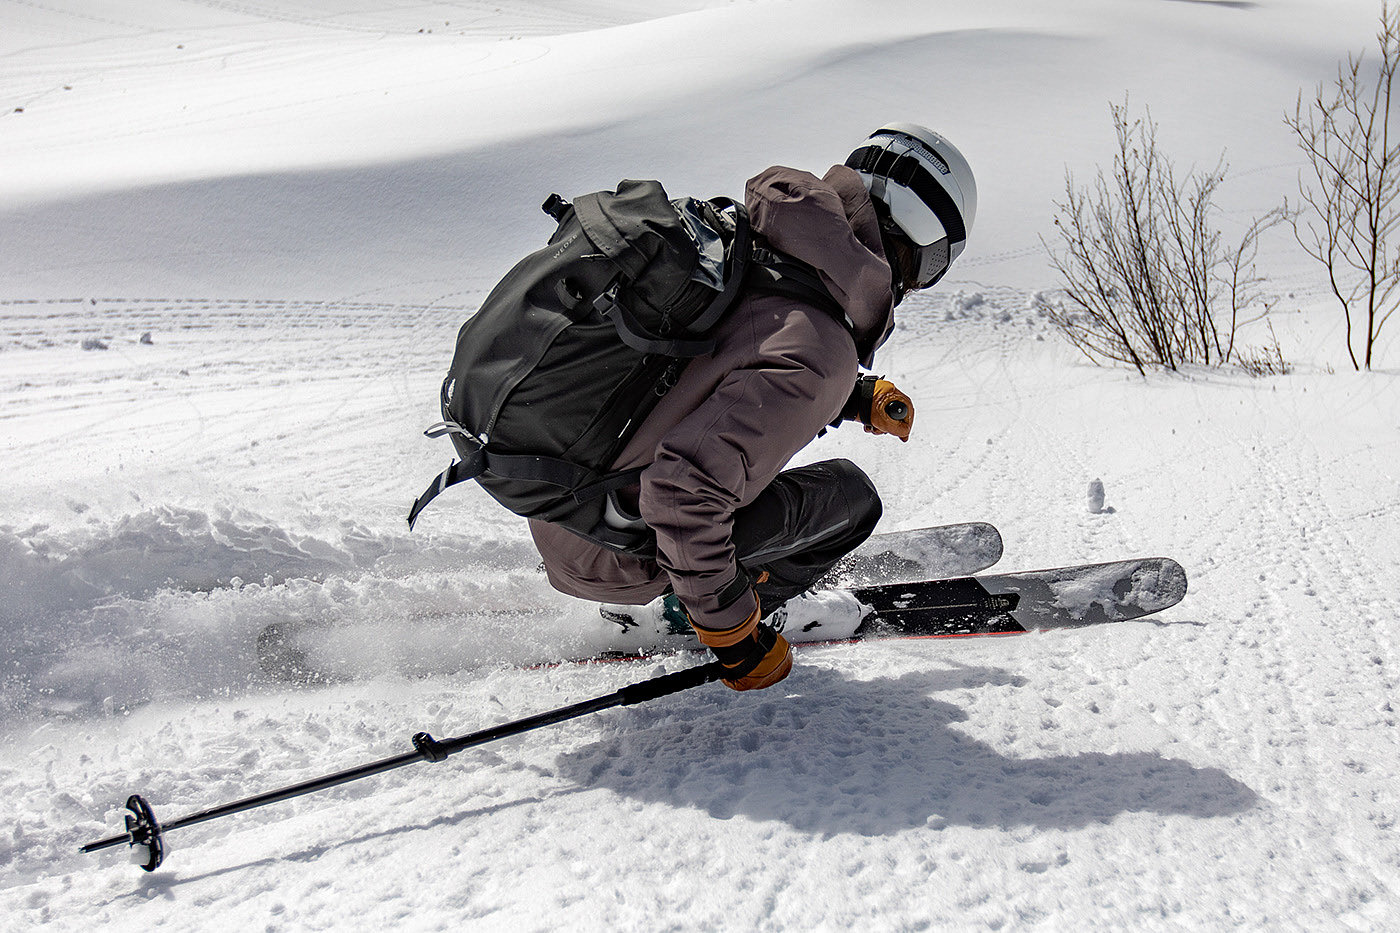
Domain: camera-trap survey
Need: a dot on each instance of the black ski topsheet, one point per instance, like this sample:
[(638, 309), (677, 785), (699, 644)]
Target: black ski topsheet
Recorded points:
[(1038, 600)]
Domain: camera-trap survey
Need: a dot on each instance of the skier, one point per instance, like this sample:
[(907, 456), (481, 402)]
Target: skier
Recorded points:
[(736, 535)]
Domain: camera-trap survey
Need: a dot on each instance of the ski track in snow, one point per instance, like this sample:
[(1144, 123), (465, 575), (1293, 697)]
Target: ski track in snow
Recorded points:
[(1252, 718), (1229, 764)]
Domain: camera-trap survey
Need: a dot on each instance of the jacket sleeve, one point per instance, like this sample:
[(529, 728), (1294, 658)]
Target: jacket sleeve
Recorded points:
[(727, 450)]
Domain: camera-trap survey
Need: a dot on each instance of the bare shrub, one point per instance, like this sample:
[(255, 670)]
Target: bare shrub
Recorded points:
[(1146, 277), (1349, 219), (1266, 360)]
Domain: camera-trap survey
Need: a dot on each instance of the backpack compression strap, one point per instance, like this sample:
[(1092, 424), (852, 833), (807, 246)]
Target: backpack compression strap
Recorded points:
[(448, 477), (458, 471), (582, 483)]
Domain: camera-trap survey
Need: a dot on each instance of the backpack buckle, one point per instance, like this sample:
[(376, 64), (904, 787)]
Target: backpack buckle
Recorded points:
[(605, 303), (555, 206), (443, 428)]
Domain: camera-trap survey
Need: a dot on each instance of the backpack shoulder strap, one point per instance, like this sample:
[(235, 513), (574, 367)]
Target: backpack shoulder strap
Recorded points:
[(773, 272)]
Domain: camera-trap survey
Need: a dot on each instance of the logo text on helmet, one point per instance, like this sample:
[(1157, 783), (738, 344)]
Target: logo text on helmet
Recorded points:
[(917, 145)]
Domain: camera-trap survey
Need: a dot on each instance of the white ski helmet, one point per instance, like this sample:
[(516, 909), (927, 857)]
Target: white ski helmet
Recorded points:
[(927, 188)]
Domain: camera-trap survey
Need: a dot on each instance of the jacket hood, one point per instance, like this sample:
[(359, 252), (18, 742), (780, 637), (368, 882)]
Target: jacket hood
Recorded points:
[(830, 224)]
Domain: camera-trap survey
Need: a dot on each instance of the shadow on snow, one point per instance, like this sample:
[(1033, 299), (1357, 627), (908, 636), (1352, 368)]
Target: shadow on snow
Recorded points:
[(870, 757), (877, 757)]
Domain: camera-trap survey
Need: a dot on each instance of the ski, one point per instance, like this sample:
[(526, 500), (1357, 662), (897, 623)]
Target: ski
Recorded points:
[(994, 604), (1012, 603), (915, 554)]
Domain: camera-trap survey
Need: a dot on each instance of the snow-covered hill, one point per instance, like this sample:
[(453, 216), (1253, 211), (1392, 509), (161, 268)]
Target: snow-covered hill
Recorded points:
[(299, 202)]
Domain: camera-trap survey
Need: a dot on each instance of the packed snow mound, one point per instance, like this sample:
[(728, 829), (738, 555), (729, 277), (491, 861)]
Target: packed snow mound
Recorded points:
[(193, 550), (167, 547), (168, 602)]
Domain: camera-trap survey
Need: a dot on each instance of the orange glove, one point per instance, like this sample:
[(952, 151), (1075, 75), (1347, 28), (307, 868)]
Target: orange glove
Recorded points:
[(883, 409), (758, 656), (891, 411)]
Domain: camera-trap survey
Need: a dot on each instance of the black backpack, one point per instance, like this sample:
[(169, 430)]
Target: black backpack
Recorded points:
[(581, 339)]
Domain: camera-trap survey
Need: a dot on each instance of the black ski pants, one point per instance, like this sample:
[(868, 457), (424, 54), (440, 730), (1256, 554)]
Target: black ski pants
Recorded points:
[(801, 525)]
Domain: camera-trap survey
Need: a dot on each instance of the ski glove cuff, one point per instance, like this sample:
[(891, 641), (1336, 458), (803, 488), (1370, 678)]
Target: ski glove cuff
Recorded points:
[(754, 654), (882, 408)]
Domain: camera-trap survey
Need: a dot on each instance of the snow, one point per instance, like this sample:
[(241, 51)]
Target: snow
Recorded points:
[(299, 202)]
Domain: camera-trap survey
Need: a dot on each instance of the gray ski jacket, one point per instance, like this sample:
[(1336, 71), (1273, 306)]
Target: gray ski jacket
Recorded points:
[(781, 372)]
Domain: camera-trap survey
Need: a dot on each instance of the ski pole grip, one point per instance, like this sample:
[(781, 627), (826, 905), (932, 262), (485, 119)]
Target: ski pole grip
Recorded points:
[(667, 684)]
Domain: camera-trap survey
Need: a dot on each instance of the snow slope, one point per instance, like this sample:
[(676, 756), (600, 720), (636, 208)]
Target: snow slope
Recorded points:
[(300, 201)]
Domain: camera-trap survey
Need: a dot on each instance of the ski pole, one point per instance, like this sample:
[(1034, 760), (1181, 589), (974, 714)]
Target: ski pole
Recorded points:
[(146, 836)]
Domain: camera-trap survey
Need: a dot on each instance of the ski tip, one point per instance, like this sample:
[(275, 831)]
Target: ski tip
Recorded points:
[(1156, 583), (1174, 580)]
